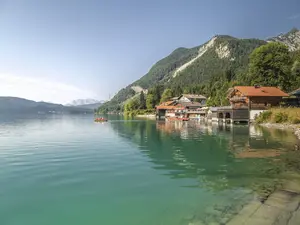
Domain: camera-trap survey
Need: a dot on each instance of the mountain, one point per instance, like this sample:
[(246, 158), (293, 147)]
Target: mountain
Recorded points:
[(81, 102), (290, 39), (199, 65), (24, 106), (90, 106)]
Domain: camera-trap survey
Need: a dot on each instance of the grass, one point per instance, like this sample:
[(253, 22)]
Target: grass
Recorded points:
[(280, 115)]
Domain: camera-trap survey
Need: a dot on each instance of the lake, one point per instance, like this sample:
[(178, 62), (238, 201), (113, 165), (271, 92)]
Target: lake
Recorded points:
[(69, 170)]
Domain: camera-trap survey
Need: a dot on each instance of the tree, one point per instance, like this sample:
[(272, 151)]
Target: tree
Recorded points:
[(166, 95), (131, 105), (270, 66), (142, 101), (156, 93), (296, 74), (150, 101)]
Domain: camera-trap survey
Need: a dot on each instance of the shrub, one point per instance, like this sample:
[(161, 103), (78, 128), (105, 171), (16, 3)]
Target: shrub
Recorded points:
[(264, 117), (281, 117), (295, 120)]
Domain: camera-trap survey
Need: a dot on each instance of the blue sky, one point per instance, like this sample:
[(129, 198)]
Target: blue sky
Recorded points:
[(59, 50)]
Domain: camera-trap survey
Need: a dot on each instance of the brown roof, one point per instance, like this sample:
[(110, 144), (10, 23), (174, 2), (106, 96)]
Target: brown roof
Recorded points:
[(194, 96), (191, 104), (261, 91), (167, 103)]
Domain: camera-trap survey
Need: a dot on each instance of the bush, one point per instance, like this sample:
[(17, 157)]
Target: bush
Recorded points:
[(295, 120), (281, 117), (264, 117)]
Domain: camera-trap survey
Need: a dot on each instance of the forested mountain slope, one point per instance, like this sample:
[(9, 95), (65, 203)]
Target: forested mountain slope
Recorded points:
[(220, 56)]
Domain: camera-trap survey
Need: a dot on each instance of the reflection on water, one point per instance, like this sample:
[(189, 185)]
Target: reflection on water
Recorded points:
[(70, 170)]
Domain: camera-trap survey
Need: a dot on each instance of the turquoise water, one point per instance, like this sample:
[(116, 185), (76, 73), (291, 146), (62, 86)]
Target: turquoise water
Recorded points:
[(69, 170)]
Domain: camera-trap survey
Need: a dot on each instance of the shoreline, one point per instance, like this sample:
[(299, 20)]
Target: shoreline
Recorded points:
[(283, 126), (149, 116)]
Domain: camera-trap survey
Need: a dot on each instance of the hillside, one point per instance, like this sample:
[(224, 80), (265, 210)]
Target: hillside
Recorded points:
[(24, 106), (185, 67)]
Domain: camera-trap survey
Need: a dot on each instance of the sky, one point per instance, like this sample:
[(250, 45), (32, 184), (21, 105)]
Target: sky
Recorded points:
[(61, 50)]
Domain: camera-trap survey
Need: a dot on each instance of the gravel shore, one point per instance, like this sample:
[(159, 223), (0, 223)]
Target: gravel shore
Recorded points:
[(294, 127)]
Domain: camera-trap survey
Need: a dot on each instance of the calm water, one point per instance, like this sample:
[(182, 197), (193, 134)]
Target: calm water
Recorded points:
[(70, 170)]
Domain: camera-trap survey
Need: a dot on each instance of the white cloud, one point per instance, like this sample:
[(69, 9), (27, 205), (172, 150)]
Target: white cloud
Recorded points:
[(40, 89)]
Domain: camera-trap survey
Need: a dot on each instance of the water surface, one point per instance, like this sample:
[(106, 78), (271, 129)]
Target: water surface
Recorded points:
[(69, 170)]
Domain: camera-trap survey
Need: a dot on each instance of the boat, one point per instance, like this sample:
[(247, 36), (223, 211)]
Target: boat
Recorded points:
[(101, 119)]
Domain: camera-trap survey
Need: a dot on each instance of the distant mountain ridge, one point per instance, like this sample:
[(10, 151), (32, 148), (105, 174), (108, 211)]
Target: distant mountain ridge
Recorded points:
[(25, 106), (79, 102)]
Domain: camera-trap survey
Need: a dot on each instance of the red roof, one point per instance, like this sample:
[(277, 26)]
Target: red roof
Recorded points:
[(261, 91)]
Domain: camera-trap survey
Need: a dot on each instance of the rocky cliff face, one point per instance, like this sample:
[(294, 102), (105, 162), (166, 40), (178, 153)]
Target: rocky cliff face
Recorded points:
[(290, 39)]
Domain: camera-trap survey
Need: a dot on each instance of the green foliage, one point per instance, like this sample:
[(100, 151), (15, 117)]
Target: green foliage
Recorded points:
[(150, 101), (164, 68), (270, 66), (295, 120), (142, 101), (281, 117), (156, 93), (132, 104), (166, 95), (210, 64), (139, 112), (264, 117), (211, 75), (115, 104)]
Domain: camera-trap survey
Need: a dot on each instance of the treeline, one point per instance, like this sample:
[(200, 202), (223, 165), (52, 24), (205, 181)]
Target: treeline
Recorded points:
[(269, 65)]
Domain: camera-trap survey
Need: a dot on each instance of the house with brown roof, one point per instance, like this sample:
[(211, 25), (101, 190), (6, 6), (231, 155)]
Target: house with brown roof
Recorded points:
[(255, 98)]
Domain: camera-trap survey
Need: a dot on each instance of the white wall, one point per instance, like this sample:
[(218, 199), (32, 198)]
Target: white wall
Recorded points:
[(170, 114), (254, 113)]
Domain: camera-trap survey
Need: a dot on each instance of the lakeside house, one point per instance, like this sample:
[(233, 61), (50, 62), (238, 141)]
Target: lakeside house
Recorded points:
[(184, 106), (247, 102)]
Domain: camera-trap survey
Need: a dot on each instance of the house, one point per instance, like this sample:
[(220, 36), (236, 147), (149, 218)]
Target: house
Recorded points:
[(212, 114), (186, 105), (192, 98), (255, 99), (294, 98)]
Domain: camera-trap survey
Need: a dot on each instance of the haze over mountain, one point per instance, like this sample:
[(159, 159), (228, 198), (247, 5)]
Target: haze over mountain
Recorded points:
[(86, 103), (14, 105)]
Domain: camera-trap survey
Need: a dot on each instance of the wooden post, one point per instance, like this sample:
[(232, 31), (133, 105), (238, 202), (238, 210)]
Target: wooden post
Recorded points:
[(249, 109)]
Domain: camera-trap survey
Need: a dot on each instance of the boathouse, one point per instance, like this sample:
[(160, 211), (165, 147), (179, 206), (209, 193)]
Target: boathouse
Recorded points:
[(251, 100), (186, 105)]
